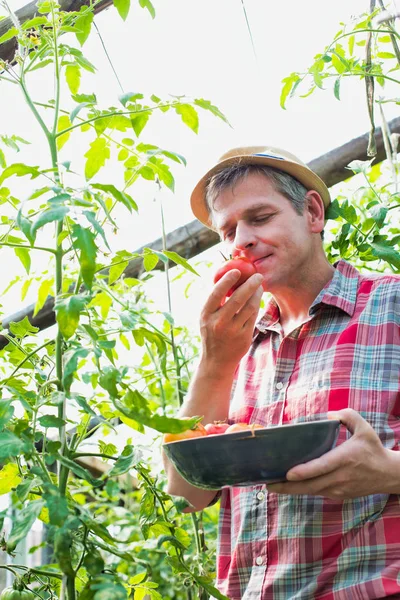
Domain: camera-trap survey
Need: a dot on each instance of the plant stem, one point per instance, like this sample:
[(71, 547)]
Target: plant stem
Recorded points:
[(166, 268), (27, 357), (11, 245)]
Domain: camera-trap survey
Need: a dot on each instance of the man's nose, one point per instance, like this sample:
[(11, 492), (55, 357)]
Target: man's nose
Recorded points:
[(244, 236)]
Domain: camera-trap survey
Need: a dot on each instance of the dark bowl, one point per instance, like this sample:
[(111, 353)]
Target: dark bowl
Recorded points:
[(240, 459)]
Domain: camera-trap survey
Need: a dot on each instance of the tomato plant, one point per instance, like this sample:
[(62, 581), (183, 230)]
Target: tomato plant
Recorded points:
[(64, 392), (17, 592), (245, 266)]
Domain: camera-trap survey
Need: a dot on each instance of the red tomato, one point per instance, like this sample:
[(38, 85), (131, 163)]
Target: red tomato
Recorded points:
[(245, 267), (198, 431), (243, 427), (216, 428)]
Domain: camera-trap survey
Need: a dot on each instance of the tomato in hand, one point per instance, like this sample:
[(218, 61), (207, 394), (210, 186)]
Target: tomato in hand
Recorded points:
[(216, 427), (243, 427), (245, 266), (197, 431)]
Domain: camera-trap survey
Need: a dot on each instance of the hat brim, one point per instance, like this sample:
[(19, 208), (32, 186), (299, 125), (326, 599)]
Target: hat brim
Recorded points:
[(308, 178)]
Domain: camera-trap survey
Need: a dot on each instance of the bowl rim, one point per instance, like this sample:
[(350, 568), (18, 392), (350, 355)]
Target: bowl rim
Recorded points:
[(253, 433)]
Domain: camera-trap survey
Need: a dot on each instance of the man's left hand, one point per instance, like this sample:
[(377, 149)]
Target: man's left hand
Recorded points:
[(358, 467)]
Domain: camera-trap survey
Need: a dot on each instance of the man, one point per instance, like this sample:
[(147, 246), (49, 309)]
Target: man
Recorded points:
[(328, 345)]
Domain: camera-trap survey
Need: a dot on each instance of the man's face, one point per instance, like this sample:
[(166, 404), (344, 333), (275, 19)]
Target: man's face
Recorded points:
[(258, 222)]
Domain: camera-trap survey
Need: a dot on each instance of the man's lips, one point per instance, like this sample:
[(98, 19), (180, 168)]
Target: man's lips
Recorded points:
[(258, 260)]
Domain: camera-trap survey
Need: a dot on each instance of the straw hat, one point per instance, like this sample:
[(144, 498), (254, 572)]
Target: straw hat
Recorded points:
[(257, 155)]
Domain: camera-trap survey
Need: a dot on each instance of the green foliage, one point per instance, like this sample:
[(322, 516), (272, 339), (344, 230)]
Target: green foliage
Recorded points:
[(362, 224), (111, 359)]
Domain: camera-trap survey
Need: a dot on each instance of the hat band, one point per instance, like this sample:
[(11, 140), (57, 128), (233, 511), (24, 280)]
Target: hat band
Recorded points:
[(269, 156)]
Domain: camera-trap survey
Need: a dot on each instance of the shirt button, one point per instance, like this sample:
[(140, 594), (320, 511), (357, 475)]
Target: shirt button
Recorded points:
[(279, 385), (259, 560), (260, 496)]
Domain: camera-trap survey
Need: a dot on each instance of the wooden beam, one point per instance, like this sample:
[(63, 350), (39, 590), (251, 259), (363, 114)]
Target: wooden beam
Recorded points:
[(193, 238), (8, 49)]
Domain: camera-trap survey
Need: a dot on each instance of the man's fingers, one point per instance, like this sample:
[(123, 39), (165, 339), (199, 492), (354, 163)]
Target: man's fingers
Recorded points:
[(247, 316), (327, 463), (242, 295), (352, 420), (220, 290), (315, 487)]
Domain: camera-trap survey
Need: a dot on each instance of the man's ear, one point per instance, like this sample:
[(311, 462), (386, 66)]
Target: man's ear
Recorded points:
[(315, 211)]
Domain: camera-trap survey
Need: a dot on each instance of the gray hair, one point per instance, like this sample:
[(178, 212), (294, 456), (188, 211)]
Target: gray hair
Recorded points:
[(283, 183)]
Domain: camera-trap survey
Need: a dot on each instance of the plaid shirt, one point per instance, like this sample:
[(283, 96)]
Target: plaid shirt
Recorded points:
[(282, 547)]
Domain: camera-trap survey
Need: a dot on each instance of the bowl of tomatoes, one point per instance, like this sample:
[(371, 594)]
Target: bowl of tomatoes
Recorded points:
[(242, 455)]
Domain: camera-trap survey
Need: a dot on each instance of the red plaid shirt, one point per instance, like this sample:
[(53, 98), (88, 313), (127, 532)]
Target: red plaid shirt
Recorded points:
[(281, 547)]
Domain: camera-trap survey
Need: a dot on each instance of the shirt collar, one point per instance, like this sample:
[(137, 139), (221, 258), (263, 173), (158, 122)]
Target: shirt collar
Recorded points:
[(340, 291)]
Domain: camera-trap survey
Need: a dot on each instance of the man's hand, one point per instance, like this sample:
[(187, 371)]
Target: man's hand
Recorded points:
[(227, 328), (358, 467)]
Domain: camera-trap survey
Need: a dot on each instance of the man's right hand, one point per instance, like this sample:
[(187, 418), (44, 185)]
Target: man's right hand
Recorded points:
[(227, 327)]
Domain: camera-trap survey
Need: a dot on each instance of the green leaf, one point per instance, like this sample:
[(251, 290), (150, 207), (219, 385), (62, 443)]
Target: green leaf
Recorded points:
[(129, 97), (43, 294), (25, 226), (386, 55), (6, 412), (130, 457), (51, 421), (206, 105), (83, 240), (50, 215), (9, 478), (135, 406), (87, 98), (333, 211), (3, 163), (122, 197), (73, 78), (336, 88), (11, 33), (34, 23), (22, 328), (77, 110), (56, 504), (378, 213), (104, 301), (63, 123), (108, 380), (24, 256), (81, 60), (189, 116), (122, 7), (91, 217), (22, 523), (10, 446), (288, 83), (79, 471), (84, 24), (19, 169), (139, 121), (147, 4), (162, 171), (385, 251), (71, 362), (97, 156), (180, 261), (206, 583), (68, 312), (150, 260)]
